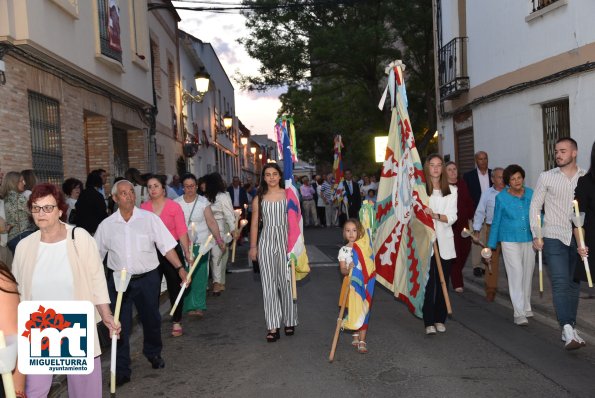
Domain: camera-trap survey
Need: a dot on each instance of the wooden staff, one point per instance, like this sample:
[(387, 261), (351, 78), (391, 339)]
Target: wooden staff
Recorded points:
[(344, 288), (293, 281), (7, 377), (185, 285), (121, 288), (578, 222), (235, 241), (539, 254), (441, 275)]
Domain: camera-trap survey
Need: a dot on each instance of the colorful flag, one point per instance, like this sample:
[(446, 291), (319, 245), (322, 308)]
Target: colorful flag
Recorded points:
[(296, 249), (363, 275), (339, 192), (405, 234)]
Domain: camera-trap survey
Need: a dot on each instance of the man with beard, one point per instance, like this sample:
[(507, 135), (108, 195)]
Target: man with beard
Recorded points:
[(555, 192)]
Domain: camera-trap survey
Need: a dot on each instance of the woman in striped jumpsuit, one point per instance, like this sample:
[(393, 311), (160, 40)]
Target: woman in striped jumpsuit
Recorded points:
[(270, 208)]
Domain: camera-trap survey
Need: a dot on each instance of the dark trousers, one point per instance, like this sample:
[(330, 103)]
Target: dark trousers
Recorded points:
[(144, 294), (321, 215), (173, 280), (462, 248), (434, 308)]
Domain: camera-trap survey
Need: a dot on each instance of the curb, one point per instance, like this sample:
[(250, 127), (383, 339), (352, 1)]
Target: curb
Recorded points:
[(541, 314)]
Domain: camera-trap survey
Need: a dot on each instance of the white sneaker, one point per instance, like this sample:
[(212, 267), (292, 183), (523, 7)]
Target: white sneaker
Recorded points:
[(570, 341), (440, 327), (521, 321), (579, 339), (430, 330)]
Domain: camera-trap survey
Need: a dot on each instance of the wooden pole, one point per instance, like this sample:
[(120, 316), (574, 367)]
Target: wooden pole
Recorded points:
[(185, 285), (7, 377), (293, 281), (442, 281), (114, 351), (344, 288)]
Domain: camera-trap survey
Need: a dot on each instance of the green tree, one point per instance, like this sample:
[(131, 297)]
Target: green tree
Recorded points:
[(331, 56)]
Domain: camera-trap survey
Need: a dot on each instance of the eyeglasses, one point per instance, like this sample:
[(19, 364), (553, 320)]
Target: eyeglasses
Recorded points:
[(46, 209), (189, 186)]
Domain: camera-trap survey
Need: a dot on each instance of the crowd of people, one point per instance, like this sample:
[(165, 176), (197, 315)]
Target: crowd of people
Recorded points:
[(515, 221), (74, 239), (65, 243), (320, 205)]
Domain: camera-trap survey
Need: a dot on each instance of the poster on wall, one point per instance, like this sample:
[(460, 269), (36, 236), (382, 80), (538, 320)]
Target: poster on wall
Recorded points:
[(113, 26)]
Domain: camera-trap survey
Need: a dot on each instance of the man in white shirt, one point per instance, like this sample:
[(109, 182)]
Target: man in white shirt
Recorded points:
[(555, 192), (485, 214), (129, 237)]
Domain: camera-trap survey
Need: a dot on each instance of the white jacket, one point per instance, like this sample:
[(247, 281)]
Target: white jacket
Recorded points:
[(446, 205)]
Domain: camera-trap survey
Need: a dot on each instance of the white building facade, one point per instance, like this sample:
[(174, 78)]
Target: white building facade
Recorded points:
[(513, 77), (218, 147)]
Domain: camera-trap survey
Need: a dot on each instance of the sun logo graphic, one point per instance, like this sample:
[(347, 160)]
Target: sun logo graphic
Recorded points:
[(56, 337)]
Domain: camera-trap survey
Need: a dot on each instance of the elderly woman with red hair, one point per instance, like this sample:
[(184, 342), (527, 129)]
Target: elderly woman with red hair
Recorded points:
[(61, 263)]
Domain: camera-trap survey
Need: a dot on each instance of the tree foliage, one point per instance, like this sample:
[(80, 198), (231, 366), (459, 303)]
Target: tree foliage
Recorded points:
[(332, 56)]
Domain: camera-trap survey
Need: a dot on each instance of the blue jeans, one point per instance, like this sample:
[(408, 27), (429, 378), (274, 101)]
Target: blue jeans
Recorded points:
[(561, 261)]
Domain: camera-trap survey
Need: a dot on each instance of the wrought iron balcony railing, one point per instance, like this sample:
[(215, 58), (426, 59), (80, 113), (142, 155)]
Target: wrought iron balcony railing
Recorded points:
[(452, 68), (539, 4)]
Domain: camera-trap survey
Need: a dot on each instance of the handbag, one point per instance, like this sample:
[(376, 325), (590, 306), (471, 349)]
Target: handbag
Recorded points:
[(12, 244)]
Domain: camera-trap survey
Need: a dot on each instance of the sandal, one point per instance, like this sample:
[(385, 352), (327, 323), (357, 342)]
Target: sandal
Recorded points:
[(362, 348), (273, 336), (197, 313), (176, 330), (289, 330), (355, 340)]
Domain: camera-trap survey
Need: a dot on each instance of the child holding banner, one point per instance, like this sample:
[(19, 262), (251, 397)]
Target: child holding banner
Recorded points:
[(352, 231)]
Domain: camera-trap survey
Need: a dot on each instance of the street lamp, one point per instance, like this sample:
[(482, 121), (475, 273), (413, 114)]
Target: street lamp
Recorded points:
[(244, 140), (227, 121), (201, 82), (253, 150)]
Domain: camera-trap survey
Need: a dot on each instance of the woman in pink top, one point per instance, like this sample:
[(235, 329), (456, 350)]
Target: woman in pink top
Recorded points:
[(173, 217)]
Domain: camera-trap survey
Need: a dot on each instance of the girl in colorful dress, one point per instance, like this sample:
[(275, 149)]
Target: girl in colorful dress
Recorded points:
[(357, 261), (352, 231)]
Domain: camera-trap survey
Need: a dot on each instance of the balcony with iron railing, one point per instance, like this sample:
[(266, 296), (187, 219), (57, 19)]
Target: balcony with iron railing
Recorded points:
[(539, 4), (452, 68)]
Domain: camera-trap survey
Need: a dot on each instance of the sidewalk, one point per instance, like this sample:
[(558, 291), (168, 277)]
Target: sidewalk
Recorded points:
[(541, 304)]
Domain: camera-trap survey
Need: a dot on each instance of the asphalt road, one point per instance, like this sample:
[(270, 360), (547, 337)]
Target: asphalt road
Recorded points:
[(482, 352)]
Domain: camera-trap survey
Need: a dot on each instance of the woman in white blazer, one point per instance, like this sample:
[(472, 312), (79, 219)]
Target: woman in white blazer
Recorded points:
[(443, 210)]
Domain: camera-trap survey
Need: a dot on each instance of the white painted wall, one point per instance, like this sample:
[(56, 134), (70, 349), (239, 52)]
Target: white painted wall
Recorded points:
[(203, 113), (500, 41), (510, 129), (450, 20), (71, 40)]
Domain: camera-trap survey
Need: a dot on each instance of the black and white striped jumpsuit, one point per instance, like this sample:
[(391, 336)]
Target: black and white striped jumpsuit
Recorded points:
[(274, 271)]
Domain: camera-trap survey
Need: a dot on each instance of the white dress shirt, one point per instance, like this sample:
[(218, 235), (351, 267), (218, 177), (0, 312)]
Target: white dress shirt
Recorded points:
[(555, 192), (484, 180), (131, 244), (485, 209), (236, 197)]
